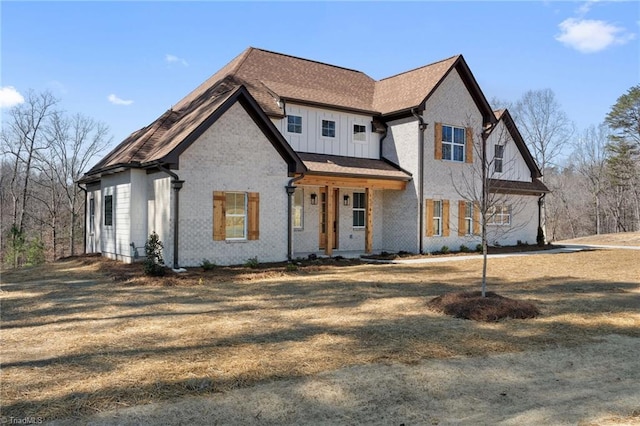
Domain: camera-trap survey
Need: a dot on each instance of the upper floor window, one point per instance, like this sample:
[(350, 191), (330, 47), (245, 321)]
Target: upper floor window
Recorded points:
[(359, 133), (497, 158), (453, 143), (328, 128), (294, 124)]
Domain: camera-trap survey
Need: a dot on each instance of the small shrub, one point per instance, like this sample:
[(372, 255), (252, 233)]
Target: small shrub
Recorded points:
[(540, 237), (445, 250), (153, 262), (291, 267), (206, 265), (35, 252), (464, 249), (252, 262), (479, 248)]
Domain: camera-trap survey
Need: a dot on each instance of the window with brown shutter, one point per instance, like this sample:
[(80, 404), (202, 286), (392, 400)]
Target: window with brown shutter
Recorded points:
[(437, 141), (236, 215), (445, 218), (429, 217), (469, 146), (462, 225), (476, 219)]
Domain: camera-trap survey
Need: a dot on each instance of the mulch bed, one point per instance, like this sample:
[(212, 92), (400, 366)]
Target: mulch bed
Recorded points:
[(493, 307)]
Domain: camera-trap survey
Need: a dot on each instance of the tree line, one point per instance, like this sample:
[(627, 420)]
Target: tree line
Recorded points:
[(44, 152), (595, 189)]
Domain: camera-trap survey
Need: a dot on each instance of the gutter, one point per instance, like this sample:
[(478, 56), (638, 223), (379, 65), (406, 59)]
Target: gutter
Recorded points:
[(291, 188), (422, 126), (176, 185)]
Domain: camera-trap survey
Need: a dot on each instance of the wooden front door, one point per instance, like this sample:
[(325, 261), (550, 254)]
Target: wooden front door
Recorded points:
[(328, 218)]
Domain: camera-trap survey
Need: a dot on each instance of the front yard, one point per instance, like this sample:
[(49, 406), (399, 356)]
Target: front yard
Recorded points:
[(86, 335)]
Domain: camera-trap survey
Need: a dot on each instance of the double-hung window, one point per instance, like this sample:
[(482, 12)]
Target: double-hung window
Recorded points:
[(468, 218), (498, 156), (298, 208), (359, 209), (499, 215), (236, 215), (453, 143), (328, 128), (108, 210), (294, 124), (437, 217)]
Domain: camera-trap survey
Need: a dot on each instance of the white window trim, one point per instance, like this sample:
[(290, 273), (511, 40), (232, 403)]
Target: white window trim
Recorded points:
[(245, 216), (359, 209), (367, 132), (453, 144), (492, 214), (496, 158), (104, 210), (437, 216), (468, 219), (286, 124), (335, 128)]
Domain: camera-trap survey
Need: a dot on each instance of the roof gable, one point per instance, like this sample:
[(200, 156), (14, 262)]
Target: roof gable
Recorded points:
[(504, 116)]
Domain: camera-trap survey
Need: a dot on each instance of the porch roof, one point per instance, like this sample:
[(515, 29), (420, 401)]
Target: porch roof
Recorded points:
[(368, 168)]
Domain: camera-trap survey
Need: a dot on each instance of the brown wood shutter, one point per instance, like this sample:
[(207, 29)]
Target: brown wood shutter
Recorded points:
[(429, 217), (219, 220), (253, 213), (476, 218), (437, 141), (462, 210), (469, 146), (445, 218)]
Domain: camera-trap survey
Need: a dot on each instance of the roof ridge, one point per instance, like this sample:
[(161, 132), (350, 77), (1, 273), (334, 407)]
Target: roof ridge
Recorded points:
[(423, 66), (311, 60)]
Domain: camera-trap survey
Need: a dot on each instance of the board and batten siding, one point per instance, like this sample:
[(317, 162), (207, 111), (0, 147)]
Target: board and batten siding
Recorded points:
[(311, 139), (115, 239), (513, 165)]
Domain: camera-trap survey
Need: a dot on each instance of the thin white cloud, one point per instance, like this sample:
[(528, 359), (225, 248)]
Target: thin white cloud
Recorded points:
[(590, 36), (170, 59), (10, 97), (118, 101)]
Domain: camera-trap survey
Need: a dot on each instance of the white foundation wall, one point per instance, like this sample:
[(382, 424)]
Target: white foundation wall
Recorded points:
[(232, 155)]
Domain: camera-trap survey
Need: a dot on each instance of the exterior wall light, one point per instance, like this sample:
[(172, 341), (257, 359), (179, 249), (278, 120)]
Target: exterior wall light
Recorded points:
[(314, 198), (345, 200)]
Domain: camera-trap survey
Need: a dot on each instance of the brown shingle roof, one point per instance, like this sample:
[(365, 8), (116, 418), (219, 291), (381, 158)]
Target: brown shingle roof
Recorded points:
[(517, 187), (350, 166)]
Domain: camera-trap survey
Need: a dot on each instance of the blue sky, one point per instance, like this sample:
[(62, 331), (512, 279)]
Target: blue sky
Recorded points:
[(125, 63)]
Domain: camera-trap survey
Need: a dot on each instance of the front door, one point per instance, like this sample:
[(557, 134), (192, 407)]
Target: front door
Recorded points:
[(328, 217)]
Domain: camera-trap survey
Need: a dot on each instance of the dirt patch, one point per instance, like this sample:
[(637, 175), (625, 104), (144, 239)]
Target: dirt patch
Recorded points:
[(492, 307)]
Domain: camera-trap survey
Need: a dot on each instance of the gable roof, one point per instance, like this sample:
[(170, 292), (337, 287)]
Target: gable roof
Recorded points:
[(162, 141), (504, 116)]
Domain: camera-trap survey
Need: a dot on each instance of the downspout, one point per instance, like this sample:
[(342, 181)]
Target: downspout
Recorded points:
[(176, 185), (541, 238), (422, 126), (291, 188), (84, 228)]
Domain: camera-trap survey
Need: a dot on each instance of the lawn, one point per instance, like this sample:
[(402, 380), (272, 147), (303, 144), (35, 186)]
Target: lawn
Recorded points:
[(86, 335)]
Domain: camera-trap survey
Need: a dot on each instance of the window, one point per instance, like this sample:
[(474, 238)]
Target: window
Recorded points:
[(108, 210), (359, 133), (499, 215), (468, 218), (359, 212), (294, 124), (497, 158), (298, 208), (328, 128), (92, 213), (437, 217), (236, 215), (453, 143)]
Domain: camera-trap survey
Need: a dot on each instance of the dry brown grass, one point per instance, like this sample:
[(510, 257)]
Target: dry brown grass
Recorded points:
[(618, 239), (86, 335)]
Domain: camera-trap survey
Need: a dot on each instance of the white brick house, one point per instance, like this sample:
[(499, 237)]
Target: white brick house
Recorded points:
[(276, 156)]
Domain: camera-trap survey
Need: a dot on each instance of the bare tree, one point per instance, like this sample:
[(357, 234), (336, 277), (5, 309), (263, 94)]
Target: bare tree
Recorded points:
[(483, 186), (75, 142)]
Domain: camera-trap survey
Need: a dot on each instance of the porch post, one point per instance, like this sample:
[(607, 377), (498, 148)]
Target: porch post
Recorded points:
[(330, 200), (368, 235)]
